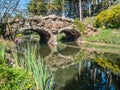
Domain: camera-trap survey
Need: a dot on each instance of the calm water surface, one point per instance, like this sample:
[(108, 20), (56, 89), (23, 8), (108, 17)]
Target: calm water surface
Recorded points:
[(81, 68)]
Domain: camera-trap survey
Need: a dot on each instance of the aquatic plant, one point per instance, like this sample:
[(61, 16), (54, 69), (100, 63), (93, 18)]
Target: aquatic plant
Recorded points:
[(2, 52), (29, 61)]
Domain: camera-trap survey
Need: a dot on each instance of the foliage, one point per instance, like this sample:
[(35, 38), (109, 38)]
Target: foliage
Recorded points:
[(30, 62), (19, 35), (36, 7), (2, 53), (20, 76), (109, 18), (12, 78), (78, 25), (106, 36), (60, 36), (40, 7)]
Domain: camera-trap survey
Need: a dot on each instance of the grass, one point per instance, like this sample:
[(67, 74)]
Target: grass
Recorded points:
[(89, 20), (2, 52), (30, 72), (107, 36), (102, 48), (60, 36), (7, 44), (41, 74)]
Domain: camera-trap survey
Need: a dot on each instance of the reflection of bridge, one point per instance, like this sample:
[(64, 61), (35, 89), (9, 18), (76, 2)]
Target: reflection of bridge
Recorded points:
[(59, 58), (47, 27)]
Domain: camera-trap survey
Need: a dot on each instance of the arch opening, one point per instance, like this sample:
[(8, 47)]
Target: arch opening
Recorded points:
[(69, 35), (42, 35)]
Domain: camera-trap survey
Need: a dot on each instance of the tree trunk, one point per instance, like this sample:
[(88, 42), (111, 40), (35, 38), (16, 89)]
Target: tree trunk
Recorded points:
[(63, 8), (89, 7), (80, 10), (70, 6)]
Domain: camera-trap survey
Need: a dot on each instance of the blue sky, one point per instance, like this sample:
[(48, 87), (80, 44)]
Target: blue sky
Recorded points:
[(23, 3)]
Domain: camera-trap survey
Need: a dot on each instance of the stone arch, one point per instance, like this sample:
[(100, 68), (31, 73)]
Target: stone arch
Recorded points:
[(45, 35), (71, 34)]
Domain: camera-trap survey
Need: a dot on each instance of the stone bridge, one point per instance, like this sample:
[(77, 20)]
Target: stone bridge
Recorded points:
[(47, 27)]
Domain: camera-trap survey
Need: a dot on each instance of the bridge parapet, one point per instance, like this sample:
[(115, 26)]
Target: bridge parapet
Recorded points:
[(51, 22), (47, 27)]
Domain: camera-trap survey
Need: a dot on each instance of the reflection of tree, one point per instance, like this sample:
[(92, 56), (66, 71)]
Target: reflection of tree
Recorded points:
[(110, 65), (93, 78)]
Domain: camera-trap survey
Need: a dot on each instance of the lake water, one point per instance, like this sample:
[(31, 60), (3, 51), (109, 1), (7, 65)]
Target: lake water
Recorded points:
[(82, 68)]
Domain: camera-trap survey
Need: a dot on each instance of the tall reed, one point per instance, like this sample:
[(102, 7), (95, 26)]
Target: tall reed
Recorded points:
[(32, 63), (2, 52)]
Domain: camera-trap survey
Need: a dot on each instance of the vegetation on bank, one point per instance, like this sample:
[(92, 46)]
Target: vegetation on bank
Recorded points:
[(7, 44), (110, 18), (107, 36), (78, 25), (10, 77), (108, 24), (29, 71)]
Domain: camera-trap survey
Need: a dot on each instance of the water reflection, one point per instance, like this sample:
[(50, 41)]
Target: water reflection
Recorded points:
[(91, 77), (78, 69), (44, 50)]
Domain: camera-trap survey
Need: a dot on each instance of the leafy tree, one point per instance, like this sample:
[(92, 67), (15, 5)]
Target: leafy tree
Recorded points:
[(41, 7), (36, 7), (60, 7)]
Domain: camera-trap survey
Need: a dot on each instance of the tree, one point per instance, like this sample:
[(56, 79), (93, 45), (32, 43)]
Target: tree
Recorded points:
[(36, 7), (51, 6), (80, 9), (43, 7), (63, 8), (7, 9), (60, 7)]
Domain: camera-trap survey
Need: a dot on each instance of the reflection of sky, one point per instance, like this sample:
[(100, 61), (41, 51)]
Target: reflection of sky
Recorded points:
[(23, 3)]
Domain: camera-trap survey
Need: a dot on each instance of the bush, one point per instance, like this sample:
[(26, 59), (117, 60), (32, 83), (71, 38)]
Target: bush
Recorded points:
[(78, 25), (13, 78), (109, 18)]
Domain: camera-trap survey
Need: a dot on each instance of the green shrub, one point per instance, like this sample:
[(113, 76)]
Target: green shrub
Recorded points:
[(109, 18), (14, 79), (78, 25)]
